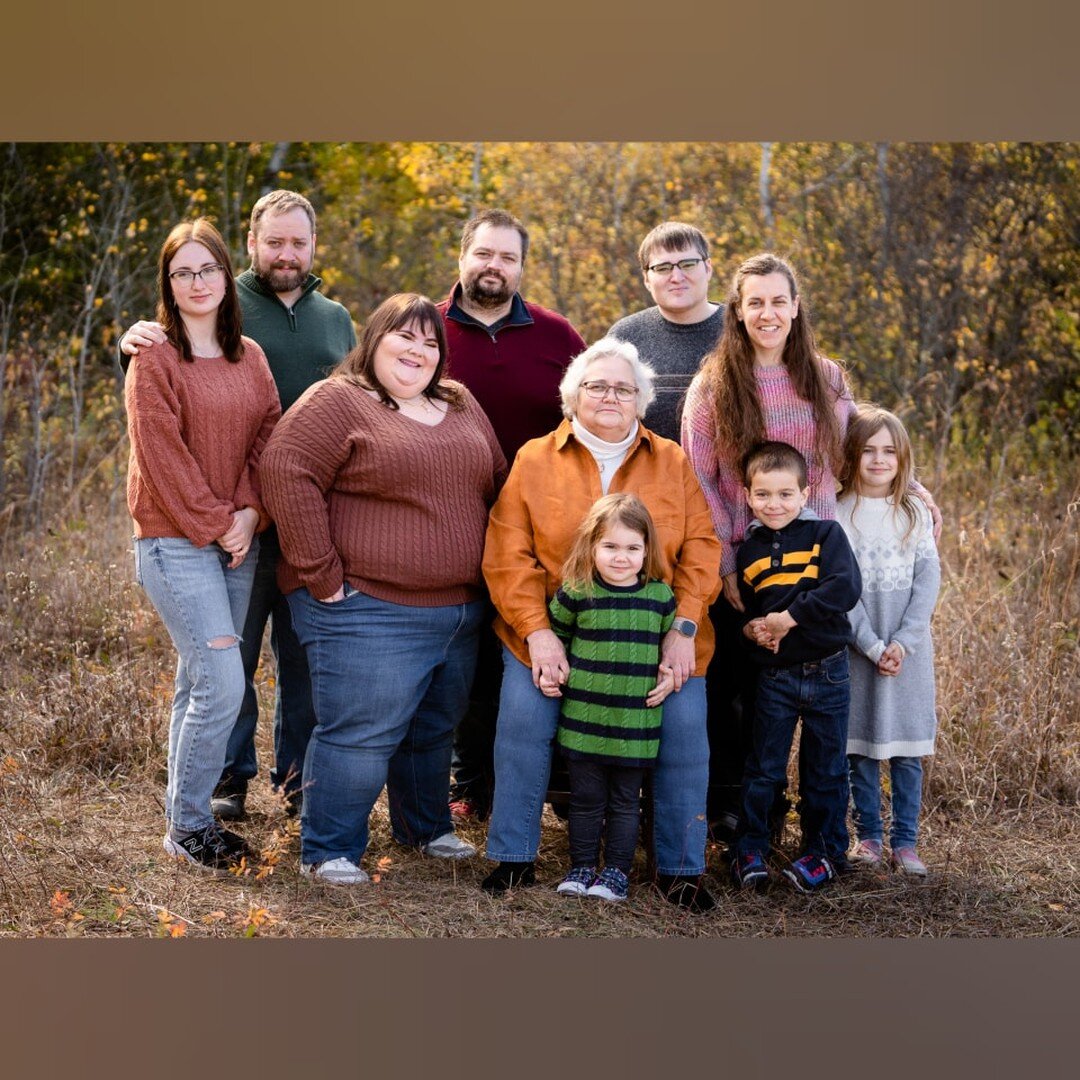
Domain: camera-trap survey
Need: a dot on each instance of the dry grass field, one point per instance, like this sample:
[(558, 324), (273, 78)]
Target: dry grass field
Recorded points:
[(85, 684)]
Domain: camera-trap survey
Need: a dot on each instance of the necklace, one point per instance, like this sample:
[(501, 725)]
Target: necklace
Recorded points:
[(420, 401)]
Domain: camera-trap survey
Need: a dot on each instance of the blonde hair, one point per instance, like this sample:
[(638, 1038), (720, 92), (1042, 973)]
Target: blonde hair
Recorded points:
[(863, 426), (623, 509)]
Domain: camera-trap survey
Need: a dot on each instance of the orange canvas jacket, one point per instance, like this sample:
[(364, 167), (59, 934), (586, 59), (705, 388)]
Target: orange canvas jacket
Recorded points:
[(553, 483)]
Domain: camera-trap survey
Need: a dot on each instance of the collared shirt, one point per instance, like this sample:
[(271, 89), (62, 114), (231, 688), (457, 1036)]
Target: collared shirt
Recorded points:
[(518, 315), (553, 483), (513, 368)]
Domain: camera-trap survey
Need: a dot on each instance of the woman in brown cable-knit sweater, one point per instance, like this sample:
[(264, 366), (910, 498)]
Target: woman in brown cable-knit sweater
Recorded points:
[(380, 480)]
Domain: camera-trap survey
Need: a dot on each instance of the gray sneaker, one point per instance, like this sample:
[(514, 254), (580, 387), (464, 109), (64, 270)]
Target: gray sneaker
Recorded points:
[(449, 846), (335, 872)]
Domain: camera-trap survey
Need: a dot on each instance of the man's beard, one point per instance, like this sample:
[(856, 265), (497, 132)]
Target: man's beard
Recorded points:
[(280, 279), (487, 296)]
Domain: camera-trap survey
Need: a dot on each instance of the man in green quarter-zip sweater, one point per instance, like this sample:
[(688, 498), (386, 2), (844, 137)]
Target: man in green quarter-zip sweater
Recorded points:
[(304, 335)]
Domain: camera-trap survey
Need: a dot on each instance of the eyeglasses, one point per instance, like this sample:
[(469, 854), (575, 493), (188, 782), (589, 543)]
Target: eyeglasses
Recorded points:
[(665, 268), (209, 275), (600, 390)]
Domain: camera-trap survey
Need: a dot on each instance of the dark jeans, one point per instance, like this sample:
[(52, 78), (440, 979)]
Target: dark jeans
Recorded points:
[(599, 791), (818, 692), (729, 691), (294, 714), (473, 762)]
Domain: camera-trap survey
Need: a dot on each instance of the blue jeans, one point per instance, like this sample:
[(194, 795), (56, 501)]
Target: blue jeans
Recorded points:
[(523, 741), (905, 779), (818, 691), (294, 714), (389, 682), (200, 601)]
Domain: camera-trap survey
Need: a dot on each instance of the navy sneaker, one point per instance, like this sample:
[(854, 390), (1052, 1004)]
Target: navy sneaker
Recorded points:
[(750, 871), (612, 884), (810, 872), (577, 882)]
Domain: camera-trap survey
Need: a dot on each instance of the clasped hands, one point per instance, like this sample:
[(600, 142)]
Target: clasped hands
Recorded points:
[(550, 668)]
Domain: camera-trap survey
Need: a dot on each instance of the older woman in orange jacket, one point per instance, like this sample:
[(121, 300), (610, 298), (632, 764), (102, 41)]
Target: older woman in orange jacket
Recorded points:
[(600, 447)]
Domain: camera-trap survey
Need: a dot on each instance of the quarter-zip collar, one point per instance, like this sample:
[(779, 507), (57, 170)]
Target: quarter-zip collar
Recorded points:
[(518, 315)]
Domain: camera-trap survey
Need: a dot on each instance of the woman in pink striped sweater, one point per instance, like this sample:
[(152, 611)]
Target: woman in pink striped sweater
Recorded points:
[(764, 380)]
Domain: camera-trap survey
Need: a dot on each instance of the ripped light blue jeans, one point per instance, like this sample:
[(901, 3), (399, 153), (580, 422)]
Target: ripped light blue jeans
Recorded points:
[(200, 601)]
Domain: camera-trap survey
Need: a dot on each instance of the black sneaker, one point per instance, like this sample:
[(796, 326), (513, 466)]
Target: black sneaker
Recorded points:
[(686, 892), (228, 807), (509, 875), (213, 848), (750, 871), (722, 827)]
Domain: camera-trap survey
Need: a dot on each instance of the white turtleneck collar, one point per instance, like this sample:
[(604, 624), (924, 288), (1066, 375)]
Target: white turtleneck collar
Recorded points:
[(607, 455)]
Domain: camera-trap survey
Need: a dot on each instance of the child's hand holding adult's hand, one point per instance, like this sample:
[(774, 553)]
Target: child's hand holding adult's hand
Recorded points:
[(549, 687), (665, 684)]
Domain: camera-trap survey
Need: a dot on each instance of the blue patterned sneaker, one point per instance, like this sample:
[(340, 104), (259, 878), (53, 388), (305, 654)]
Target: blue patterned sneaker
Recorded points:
[(750, 871), (577, 882), (612, 884), (810, 872)]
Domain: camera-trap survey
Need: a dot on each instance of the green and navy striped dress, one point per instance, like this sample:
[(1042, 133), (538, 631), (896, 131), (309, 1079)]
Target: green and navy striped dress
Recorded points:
[(613, 645)]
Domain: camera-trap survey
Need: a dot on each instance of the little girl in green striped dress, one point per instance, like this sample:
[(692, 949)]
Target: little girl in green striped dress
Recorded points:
[(611, 612)]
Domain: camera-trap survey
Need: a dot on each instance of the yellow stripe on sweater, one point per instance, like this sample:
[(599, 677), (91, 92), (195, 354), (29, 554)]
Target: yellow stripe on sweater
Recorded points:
[(756, 568), (786, 579), (802, 556)]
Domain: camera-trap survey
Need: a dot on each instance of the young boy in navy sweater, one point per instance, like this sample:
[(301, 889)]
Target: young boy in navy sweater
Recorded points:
[(798, 579)]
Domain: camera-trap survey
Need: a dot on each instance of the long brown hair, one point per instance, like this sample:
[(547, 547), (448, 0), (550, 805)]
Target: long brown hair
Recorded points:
[(623, 509), (728, 374), (229, 323), (863, 426), (392, 314)]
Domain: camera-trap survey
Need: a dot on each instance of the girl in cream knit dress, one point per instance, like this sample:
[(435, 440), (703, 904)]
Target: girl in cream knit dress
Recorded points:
[(892, 665)]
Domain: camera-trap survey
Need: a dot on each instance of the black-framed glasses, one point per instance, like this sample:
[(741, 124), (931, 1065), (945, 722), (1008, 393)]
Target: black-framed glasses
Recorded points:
[(599, 389), (209, 275), (665, 268)]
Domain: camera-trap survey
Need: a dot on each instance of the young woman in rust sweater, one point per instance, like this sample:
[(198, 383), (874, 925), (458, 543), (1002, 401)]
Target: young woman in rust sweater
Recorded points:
[(200, 409), (380, 480)]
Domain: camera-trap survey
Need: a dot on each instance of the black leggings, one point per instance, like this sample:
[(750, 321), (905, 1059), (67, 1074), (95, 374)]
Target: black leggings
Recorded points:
[(597, 791)]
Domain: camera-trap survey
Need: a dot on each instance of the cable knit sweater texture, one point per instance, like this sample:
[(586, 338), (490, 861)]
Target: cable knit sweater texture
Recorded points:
[(196, 431), (788, 419), (363, 494), (891, 716)]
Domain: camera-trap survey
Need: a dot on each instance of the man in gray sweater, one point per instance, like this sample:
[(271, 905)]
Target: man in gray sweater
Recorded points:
[(675, 335)]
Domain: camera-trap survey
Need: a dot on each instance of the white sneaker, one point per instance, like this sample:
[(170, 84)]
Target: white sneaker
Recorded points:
[(335, 872), (449, 846)]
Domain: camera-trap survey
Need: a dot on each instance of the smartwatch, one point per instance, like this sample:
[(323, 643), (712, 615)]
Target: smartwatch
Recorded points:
[(686, 627)]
